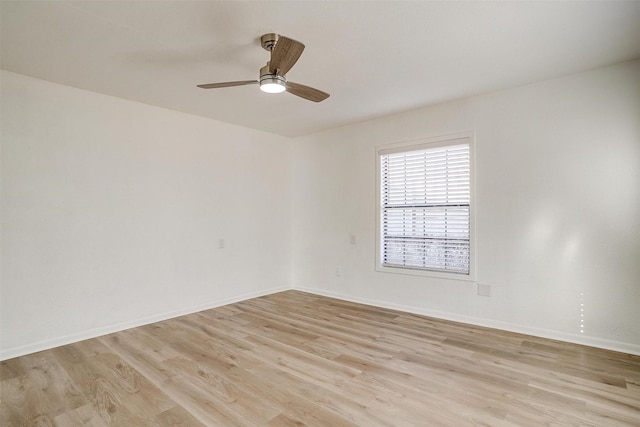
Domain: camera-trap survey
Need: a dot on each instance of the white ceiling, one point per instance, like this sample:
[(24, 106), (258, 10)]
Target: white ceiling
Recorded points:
[(374, 57)]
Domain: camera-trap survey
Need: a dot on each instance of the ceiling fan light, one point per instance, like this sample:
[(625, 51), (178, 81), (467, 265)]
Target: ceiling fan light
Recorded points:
[(272, 85)]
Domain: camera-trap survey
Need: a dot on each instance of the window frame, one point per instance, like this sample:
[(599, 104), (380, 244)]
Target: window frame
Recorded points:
[(419, 144)]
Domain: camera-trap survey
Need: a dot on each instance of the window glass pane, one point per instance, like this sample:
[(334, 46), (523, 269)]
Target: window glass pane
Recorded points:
[(425, 217)]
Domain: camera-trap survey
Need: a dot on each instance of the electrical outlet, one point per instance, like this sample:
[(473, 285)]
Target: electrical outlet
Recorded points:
[(338, 271), (352, 239), (221, 243), (484, 290)]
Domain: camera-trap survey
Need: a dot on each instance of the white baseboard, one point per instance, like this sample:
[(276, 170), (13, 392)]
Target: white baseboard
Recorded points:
[(97, 332), (495, 324), (544, 333)]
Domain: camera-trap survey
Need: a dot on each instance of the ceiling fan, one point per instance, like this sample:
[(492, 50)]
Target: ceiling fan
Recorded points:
[(284, 54)]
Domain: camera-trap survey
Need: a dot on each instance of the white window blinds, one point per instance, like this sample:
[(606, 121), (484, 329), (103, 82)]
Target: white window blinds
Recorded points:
[(425, 218)]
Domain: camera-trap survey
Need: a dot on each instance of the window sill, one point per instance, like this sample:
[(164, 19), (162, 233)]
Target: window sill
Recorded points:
[(426, 273)]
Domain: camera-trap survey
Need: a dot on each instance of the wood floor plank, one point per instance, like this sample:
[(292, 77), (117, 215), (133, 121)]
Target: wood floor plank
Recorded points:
[(176, 416), (297, 359), (41, 393), (83, 416), (118, 392)]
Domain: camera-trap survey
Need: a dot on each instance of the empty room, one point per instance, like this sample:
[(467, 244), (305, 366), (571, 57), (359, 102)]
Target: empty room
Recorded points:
[(320, 213)]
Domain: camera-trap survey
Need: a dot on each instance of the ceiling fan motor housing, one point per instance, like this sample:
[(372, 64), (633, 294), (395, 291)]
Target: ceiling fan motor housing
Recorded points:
[(271, 82)]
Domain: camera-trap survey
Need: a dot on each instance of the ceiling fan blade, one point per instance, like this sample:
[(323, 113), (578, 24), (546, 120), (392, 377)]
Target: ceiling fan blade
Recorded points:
[(228, 84), (306, 92), (284, 55)]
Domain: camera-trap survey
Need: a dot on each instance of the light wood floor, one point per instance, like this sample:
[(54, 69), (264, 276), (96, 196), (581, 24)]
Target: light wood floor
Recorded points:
[(295, 359)]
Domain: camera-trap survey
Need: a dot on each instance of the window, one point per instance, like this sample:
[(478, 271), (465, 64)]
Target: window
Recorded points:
[(425, 207)]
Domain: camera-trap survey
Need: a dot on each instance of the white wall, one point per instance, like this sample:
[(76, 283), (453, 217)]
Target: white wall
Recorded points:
[(557, 209), (112, 213)]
